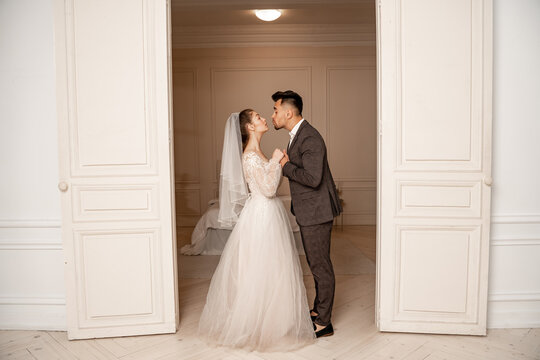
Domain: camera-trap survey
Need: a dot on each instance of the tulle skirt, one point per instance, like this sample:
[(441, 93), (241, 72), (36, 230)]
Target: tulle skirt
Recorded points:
[(257, 299)]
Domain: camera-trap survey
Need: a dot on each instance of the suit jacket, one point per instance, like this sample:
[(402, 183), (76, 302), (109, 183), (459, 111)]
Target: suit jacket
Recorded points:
[(314, 198)]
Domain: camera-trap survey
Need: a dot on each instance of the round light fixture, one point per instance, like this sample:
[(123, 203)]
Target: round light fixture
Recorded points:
[(268, 14)]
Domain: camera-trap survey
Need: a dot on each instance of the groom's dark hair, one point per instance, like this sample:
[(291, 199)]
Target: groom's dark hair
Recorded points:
[(291, 98)]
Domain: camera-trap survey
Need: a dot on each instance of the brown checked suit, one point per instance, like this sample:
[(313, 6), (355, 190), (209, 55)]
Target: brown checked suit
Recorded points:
[(315, 203)]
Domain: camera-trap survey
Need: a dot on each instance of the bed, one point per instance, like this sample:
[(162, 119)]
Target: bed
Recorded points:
[(209, 238)]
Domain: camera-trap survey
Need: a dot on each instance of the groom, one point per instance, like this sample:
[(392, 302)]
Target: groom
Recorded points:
[(314, 199)]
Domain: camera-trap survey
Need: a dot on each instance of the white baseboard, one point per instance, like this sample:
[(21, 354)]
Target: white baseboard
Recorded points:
[(520, 312), (514, 300), (46, 316), (31, 287)]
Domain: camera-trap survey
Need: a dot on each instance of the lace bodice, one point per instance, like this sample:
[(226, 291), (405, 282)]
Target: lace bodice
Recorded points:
[(262, 176)]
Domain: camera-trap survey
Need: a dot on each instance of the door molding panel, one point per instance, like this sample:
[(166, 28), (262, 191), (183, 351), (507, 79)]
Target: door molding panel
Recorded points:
[(453, 54), (142, 301), (434, 165), (92, 59), (464, 248)]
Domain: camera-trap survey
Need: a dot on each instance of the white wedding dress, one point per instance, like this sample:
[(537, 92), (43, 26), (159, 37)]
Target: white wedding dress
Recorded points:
[(257, 299)]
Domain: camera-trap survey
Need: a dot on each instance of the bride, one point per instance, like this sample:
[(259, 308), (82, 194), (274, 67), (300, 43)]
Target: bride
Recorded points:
[(257, 299)]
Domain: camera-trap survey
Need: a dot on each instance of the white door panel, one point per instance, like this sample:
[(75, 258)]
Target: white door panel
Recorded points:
[(115, 166), (434, 165)]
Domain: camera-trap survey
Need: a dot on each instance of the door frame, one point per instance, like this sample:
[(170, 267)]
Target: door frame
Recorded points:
[(379, 163)]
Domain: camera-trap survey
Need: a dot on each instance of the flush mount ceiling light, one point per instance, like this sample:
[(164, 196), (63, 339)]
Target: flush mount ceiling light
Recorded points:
[(268, 14)]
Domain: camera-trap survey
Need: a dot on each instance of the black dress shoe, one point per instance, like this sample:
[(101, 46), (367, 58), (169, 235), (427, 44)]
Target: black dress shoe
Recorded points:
[(313, 317), (327, 331)]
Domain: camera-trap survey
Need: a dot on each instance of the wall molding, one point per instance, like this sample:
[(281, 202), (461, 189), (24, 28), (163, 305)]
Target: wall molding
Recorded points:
[(30, 300), (21, 237), (524, 218), (196, 193), (261, 3), (522, 296), (30, 234), (194, 122), (180, 183), (521, 229), (514, 241), (273, 35), (328, 70), (31, 244), (356, 219), (514, 234), (30, 223)]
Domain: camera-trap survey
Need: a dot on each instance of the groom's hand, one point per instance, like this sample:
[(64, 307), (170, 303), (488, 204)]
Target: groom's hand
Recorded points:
[(285, 159)]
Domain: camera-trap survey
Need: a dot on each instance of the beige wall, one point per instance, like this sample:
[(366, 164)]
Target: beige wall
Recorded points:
[(338, 85)]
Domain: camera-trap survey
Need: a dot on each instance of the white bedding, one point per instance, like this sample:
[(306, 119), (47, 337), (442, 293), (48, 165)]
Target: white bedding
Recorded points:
[(209, 238)]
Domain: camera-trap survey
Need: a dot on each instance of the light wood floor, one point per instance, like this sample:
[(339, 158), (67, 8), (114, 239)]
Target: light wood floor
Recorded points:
[(356, 336)]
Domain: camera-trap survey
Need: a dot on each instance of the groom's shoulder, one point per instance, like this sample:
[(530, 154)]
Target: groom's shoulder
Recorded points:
[(312, 131)]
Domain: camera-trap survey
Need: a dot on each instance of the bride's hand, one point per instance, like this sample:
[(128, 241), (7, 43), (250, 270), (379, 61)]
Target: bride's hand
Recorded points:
[(278, 155)]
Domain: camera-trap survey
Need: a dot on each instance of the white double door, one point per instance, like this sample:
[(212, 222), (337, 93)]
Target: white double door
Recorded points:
[(434, 106), (114, 110), (116, 166)]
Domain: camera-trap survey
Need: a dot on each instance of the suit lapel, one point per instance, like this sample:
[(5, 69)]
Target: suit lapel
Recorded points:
[(303, 125)]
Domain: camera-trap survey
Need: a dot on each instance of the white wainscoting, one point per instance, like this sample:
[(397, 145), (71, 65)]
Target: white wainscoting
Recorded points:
[(514, 288), (32, 294)]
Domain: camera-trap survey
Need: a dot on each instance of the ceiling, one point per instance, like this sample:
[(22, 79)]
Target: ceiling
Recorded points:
[(230, 12), (232, 23)]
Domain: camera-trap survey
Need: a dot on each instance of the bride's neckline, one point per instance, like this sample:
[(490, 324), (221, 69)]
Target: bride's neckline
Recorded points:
[(260, 155)]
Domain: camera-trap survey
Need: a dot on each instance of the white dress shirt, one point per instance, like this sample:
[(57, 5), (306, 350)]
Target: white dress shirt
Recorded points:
[(294, 130)]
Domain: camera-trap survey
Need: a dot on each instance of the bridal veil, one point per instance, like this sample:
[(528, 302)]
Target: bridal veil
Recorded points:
[(233, 190)]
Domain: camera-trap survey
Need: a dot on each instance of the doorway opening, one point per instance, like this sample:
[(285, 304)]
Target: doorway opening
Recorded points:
[(226, 60)]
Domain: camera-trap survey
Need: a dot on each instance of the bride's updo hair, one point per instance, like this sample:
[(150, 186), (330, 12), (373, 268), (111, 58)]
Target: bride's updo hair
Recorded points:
[(245, 118)]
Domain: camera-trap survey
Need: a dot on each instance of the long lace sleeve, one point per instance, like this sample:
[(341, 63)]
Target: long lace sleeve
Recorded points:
[(265, 174), (267, 177)]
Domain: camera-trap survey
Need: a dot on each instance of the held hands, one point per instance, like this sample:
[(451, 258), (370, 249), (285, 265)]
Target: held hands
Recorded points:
[(277, 155), (281, 156), (284, 159)]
